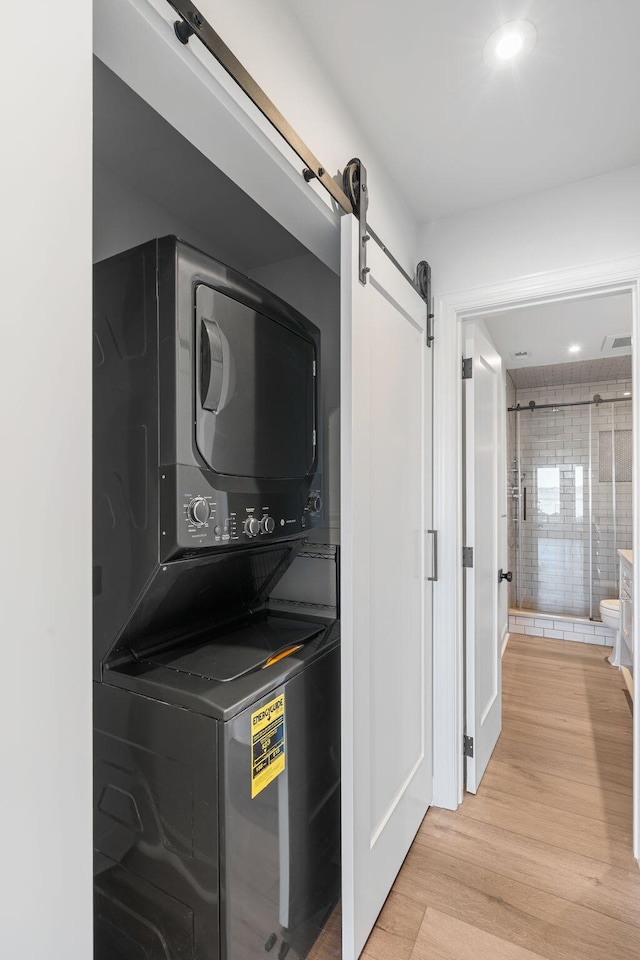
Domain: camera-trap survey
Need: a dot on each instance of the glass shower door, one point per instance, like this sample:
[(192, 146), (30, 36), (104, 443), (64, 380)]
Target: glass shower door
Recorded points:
[(571, 503), (554, 555)]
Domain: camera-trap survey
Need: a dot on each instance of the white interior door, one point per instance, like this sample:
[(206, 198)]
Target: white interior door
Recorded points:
[(483, 485), (386, 649)]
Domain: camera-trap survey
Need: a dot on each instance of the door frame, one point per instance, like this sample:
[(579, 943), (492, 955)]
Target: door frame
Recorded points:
[(451, 309)]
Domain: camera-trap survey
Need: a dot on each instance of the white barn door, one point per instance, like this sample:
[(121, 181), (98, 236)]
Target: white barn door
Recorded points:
[(386, 644)]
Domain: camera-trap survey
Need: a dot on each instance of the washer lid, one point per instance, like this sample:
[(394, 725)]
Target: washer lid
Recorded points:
[(238, 652)]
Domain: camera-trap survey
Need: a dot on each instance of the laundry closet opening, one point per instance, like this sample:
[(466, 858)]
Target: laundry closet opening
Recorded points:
[(217, 694)]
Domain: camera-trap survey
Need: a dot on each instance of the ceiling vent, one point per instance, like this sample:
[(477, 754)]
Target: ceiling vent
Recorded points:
[(521, 355), (616, 343)]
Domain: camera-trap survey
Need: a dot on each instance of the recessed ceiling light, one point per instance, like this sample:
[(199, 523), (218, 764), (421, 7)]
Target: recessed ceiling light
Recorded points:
[(509, 42), (574, 348)]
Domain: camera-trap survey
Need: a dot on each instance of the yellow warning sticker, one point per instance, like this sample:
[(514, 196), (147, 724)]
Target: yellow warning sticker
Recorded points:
[(267, 743)]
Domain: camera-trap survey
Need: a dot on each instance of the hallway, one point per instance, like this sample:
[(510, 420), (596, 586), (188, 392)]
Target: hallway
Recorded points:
[(539, 862)]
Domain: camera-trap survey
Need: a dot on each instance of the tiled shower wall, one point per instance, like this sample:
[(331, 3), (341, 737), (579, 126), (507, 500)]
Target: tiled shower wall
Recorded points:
[(564, 553)]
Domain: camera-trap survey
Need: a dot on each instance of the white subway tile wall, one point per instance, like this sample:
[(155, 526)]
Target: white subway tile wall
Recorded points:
[(564, 553), (579, 631)]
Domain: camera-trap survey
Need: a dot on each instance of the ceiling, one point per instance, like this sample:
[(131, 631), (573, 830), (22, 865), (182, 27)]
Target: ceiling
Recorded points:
[(546, 331), (457, 135), (563, 374)]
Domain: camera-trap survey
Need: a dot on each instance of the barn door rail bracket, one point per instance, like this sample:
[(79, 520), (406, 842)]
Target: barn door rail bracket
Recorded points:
[(351, 195)]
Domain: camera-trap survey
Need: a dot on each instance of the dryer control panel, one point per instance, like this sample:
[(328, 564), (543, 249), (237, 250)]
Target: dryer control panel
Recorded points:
[(196, 516)]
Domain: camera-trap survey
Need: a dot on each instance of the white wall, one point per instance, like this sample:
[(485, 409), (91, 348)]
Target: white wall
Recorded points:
[(45, 487), (583, 223), (123, 217)]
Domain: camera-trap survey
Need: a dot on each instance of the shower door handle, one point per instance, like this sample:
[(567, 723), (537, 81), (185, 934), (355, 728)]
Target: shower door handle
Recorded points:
[(524, 504), (508, 576)]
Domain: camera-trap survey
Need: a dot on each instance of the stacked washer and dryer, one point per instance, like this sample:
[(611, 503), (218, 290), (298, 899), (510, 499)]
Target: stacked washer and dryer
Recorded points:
[(217, 723)]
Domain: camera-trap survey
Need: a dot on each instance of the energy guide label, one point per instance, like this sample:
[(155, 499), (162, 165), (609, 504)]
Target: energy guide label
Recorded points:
[(267, 744)]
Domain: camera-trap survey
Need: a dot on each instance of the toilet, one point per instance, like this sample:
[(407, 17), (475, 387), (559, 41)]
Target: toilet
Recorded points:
[(610, 615)]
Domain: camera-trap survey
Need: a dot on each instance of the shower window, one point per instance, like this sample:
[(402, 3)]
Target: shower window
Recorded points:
[(549, 491), (578, 483)]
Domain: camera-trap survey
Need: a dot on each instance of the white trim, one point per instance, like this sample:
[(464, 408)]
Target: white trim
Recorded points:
[(451, 309), (505, 641)]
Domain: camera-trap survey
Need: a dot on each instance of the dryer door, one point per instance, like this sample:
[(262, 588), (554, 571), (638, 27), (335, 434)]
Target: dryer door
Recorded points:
[(255, 391)]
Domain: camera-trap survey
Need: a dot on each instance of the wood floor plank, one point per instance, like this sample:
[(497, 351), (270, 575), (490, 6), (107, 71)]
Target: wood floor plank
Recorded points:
[(529, 917), (610, 843), (447, 938), (383, 945), (521, 780), (582, 880), (607, 731), (596, 773), (401, 915), (616, 752), (604, 708)]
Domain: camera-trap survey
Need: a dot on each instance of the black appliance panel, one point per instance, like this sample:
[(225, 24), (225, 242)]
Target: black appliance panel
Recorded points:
[(190, 866), (185, 598), (242, 650), (156, 499), (294, 822), (156, 842), (198, 514), (152, 672), (255, 391)]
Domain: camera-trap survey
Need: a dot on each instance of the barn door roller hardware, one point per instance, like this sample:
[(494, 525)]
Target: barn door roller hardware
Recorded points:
[(351, 196), (354, 181)]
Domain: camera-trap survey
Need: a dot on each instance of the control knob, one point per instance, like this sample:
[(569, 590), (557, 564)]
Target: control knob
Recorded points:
[(252, 526), (267, 524), (315, 502), (199, 511)]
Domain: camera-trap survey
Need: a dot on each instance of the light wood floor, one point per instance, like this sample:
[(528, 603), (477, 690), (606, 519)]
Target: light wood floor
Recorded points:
[(538, 864)]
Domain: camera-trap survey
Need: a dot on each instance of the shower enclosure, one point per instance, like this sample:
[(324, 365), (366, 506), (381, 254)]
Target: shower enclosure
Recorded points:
[(570, 497)]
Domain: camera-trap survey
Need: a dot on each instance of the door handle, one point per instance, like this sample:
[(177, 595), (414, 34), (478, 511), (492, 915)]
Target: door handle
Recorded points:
[(212, 365), (434, 555), (508, 576)]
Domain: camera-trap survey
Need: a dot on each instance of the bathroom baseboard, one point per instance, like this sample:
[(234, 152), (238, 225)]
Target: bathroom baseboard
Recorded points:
[(628, 679), (505, 641)]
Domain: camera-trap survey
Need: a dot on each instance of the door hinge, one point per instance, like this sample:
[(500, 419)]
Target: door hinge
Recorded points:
[(467, 746), (467, 368), (467, 556)]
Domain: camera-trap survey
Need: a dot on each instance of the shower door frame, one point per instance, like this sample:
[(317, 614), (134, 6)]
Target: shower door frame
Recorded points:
[(452, 309)]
